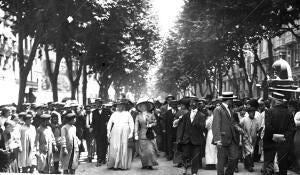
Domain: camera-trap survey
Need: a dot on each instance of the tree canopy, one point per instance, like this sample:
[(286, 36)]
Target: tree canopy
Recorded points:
[(212, 36)]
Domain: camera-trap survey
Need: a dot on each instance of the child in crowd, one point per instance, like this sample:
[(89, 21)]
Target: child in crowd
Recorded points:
[(12, 145), (27, 158), (250, 125), (56, 127), (45, 144), (69, 145)]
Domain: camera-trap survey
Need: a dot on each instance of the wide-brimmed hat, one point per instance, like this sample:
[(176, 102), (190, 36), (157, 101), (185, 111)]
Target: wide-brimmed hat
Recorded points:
[(70, 115), (145, 101), (278, 96), (123, 101), (227, 96), (184, 101), (99, 101), (170, 96), (55, 113)]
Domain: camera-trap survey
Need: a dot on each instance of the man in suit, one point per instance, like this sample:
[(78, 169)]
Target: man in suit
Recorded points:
[(170, 138), (225, 135), (279, 134), (193, 124), (100, 117), (88, 133)]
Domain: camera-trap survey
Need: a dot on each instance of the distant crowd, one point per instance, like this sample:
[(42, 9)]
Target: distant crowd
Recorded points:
[(48, 138)]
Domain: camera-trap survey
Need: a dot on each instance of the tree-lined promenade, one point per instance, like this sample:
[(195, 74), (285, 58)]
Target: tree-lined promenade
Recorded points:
[(210, 37)]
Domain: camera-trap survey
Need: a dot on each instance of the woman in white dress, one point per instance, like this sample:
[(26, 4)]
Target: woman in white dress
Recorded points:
[(210, 149), (119, 129)]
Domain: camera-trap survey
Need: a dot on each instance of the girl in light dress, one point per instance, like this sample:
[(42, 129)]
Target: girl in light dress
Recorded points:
[(69, 152)]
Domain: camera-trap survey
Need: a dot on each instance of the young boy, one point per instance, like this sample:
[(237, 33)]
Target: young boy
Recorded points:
[(250, 125), (55, 125), (12, 145), (70, 145), (45, 142), (27, 159)]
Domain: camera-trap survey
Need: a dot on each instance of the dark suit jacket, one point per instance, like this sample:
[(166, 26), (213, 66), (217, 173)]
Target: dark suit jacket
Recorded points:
[(169, 118), (224, 127), (278, 120), (193, 132), (99, 122)]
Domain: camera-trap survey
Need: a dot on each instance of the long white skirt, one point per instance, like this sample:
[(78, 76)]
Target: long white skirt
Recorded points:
[(119, 155), (210, 150)]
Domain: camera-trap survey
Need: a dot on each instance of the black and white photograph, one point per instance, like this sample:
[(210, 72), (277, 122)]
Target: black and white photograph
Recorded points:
[(150, 87)]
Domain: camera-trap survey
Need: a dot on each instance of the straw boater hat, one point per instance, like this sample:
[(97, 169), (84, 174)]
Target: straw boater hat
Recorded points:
[(45, 116), (27, 116), (171, 97), (278, 96), (146, 101), (227, 96)]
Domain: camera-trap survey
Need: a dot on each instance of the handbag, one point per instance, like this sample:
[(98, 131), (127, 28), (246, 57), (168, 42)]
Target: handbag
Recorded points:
[(150, 134), (130, 143)]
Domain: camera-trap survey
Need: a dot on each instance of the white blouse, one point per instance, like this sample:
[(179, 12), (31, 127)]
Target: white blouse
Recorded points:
[(120, 119), (297, 119)]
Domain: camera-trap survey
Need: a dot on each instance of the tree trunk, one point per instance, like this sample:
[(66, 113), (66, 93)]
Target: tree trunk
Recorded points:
[(220, 81), (53, 75), (25, 68), (235, 84), (54, 89), (201, 89), (73, 91), (22, 87), (84, 84), (74, 83), (270, 54), (103, 92)]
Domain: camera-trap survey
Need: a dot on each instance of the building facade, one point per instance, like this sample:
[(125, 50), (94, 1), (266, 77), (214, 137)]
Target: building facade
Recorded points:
[(37, 78)]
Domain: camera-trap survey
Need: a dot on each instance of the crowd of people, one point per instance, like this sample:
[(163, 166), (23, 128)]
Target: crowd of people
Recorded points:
[(222, 132)]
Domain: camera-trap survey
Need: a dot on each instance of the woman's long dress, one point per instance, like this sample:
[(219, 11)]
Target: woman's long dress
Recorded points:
[(119, 129), (210, 149), (147, 148)]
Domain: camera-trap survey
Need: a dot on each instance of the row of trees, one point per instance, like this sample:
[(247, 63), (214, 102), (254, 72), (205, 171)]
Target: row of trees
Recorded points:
[(115, 39), (211, 36)]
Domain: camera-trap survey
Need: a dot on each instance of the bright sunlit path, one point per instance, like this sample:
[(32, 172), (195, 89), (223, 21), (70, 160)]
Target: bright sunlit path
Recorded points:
[(167, 11)]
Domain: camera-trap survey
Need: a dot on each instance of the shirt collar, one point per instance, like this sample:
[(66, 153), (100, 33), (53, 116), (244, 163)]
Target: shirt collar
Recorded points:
[(194, 110)]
